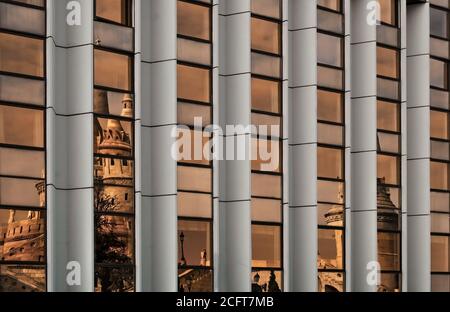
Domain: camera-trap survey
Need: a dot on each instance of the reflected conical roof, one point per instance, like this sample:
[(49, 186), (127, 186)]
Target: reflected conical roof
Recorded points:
[(383, 196)]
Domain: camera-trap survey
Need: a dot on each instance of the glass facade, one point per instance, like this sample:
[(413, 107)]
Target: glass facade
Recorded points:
[(267, 99), (389, 151), (114, 117), (195, 173), (23, 247), (440, 142), (33, 125), (331, 147)]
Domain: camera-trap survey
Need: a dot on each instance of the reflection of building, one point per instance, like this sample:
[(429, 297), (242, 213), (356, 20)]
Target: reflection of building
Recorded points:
[(388, 218), (114, 178), (116, 174), (266, 281), (23, 239), (192, 279), (332, 281), (333, 83)]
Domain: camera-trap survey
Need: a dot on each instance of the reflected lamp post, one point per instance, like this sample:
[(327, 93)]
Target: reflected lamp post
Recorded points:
[(183, 259)]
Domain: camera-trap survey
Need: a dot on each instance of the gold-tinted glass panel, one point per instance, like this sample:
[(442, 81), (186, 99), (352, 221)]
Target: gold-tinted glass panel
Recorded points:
[(330, 21), (387, 167), (266, 95), (439, 99), (440, 202), (194, 51), (193, 20), (112, 70), (194, 205), (440, 283), (388, 116), (329, 106), (330, 77), (330, 192), (21, 163), (194, 179), (21, 192), (387, 62), (439, 74), (21, 126), (266, 65), (265, 36), (439, 23), (11, 90), (266, 210), (389, 143), (388, 12), (194, 83), (188, 112), (330, 4), (329, 163), (21, 55), (439, 125), (266, 246), (118, 11), (440, 253), (266, 185), (330, 134), (270, 8), (113, 36), (439, 175), (329, 49), (440, 223), (19, 18)]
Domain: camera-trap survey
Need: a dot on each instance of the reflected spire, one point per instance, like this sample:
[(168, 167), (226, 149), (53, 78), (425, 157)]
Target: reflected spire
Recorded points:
[(127, 106)]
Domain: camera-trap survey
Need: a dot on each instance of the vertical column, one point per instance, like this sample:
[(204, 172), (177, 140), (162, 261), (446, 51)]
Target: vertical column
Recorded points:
[(137, 142), (215, 112), (70, 145), (303, 145), (404, 152), (158, 227), (348, 144), (234, 263), (418, 115), (364, 146), (285, 145)]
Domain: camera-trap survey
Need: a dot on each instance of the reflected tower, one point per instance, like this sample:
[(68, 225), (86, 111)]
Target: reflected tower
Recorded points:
[(114, 174), (334, 217), (388, 220)]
